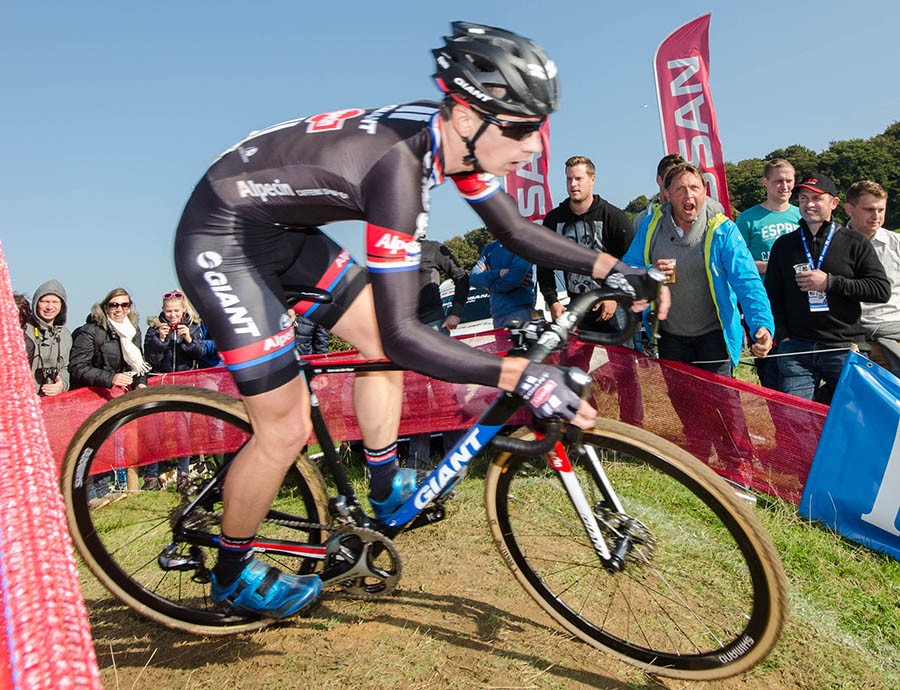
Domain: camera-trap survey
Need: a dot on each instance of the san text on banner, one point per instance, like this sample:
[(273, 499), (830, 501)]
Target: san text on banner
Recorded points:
[(686, 113)]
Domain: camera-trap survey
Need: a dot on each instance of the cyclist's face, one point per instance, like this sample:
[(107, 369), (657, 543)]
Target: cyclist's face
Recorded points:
[(500, 154)]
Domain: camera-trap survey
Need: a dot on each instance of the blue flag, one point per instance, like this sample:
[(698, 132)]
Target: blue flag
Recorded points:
[(854, 481)]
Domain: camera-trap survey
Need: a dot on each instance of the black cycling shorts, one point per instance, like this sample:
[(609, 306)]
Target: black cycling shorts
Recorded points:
[(242, 277)]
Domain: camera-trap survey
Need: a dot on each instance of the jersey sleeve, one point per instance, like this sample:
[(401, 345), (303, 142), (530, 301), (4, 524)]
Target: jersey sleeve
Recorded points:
[(531, 242), (392, 256)]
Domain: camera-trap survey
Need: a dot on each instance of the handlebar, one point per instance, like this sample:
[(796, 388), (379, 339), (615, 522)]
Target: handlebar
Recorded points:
[(541, 446)]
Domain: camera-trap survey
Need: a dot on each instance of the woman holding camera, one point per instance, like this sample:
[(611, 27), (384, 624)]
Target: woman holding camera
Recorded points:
[(47, 340), (174, 342)]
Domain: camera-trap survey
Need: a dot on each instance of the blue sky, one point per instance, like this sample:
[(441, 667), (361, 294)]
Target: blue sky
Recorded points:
[(113, 110)]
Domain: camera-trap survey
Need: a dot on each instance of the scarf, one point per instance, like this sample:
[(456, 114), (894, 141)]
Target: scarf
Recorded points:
[(130, 351)]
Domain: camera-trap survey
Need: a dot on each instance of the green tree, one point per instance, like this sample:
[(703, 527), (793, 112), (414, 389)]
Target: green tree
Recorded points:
[(468, 248), (744, 188), (636, 205)]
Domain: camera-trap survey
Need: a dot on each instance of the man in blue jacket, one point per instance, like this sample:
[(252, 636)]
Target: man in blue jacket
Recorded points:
[(509, 279), (709, 270)]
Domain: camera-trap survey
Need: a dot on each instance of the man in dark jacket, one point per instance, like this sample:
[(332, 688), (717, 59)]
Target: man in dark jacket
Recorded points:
[(437, 259), (587, 219), (816, 278)]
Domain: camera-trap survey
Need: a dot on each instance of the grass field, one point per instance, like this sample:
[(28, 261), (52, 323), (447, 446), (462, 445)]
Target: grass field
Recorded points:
[(459, 620)]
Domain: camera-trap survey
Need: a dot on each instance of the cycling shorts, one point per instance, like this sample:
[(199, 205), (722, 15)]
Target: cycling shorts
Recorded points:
[(242, 277)]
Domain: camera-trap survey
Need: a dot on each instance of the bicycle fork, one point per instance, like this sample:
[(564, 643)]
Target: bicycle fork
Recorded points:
[(613, 559)]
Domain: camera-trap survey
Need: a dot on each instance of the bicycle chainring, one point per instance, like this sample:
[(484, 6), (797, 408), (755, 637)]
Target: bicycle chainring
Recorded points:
[(361, 563)]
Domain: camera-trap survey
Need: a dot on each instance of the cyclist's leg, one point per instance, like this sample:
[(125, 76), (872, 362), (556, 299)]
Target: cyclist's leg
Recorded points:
[(376, 395), (231, 271), (377, 398)]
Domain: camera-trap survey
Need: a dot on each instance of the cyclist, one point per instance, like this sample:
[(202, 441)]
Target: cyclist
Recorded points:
[(249, 237)]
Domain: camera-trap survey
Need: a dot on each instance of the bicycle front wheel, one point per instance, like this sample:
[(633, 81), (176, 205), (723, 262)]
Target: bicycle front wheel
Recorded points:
[(702, 594), (153, 549)]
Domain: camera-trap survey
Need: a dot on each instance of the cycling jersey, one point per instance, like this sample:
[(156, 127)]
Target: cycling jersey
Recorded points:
[(245, 238)]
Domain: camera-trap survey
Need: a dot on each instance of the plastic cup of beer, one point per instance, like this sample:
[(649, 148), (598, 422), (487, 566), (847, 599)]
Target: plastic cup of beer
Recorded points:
[(668, 263)]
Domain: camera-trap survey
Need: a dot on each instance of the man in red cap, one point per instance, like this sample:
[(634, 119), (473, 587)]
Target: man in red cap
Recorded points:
[(816, 278)]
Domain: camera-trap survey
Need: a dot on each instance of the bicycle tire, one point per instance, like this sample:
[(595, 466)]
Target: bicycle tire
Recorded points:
[(121, 540), (705, 596)]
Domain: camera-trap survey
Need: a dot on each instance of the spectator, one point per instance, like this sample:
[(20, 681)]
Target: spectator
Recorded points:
[(312, 339), (764, 223), (47, 340), (24, 307), (437, 260), (587, 219), (666, 163), (211, 356), (816, 278), (509, 280), (173, 342), (714, 272), (106, 353), (866, 205)]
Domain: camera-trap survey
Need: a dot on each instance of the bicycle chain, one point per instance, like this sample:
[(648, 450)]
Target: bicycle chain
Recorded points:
[(356, 578)]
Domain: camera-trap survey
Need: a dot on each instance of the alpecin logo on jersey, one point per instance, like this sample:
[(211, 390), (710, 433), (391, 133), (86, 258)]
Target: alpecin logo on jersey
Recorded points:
[(263, 190), (389, 250), (393, 243)]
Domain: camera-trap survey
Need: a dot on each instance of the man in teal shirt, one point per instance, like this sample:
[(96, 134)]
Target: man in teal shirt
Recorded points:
[(764, 223)]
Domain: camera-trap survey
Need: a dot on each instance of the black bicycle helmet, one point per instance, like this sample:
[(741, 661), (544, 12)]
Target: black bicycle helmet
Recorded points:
[(478, 59)]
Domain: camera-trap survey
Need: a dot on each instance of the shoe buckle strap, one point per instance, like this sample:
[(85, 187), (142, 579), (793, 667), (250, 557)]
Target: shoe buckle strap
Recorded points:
[(270, 578)]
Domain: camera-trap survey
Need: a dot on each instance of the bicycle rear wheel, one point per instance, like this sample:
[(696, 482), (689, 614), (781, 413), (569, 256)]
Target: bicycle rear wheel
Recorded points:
[(127, 537), (702, 594)]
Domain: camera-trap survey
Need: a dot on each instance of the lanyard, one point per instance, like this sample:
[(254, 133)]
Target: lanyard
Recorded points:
[(824, 247)]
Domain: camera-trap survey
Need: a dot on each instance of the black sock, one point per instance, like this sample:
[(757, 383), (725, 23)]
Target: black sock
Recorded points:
[(382, 464), (234, 554)]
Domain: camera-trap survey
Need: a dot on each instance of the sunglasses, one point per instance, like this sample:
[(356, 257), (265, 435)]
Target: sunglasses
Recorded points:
[(513, 129), (174, 295), (119, 305)]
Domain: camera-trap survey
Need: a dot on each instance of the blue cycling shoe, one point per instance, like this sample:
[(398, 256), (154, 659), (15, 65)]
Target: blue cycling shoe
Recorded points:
[(403, 486), (267, 591)]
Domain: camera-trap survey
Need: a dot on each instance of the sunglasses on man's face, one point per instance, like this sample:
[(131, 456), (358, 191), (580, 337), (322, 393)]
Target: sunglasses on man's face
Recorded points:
[(513, 129), (119, 305)]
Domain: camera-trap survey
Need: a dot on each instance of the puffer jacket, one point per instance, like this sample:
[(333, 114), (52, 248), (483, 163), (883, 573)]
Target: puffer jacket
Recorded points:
[(97, 353), (173, 353)]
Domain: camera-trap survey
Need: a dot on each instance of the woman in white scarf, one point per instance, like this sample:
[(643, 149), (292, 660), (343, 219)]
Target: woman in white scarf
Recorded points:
[(121, 318)]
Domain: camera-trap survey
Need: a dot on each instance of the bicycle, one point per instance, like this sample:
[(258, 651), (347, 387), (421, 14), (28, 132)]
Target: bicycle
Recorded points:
[(627, 541)]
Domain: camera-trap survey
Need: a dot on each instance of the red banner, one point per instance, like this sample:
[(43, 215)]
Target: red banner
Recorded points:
[(686, 113), (528, 185)]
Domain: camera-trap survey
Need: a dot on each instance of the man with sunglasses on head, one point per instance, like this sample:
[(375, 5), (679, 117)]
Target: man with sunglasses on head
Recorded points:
[(249, 239)]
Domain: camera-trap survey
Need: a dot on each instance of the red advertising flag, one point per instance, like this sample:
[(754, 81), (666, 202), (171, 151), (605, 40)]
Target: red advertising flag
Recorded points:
[(686, 113), (528, 185)]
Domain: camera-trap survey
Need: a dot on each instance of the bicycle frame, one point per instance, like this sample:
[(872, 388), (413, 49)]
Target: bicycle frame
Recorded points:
[(451, 468)]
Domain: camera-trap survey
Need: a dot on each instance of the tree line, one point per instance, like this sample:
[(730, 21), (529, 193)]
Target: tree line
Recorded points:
[(845, 162)]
